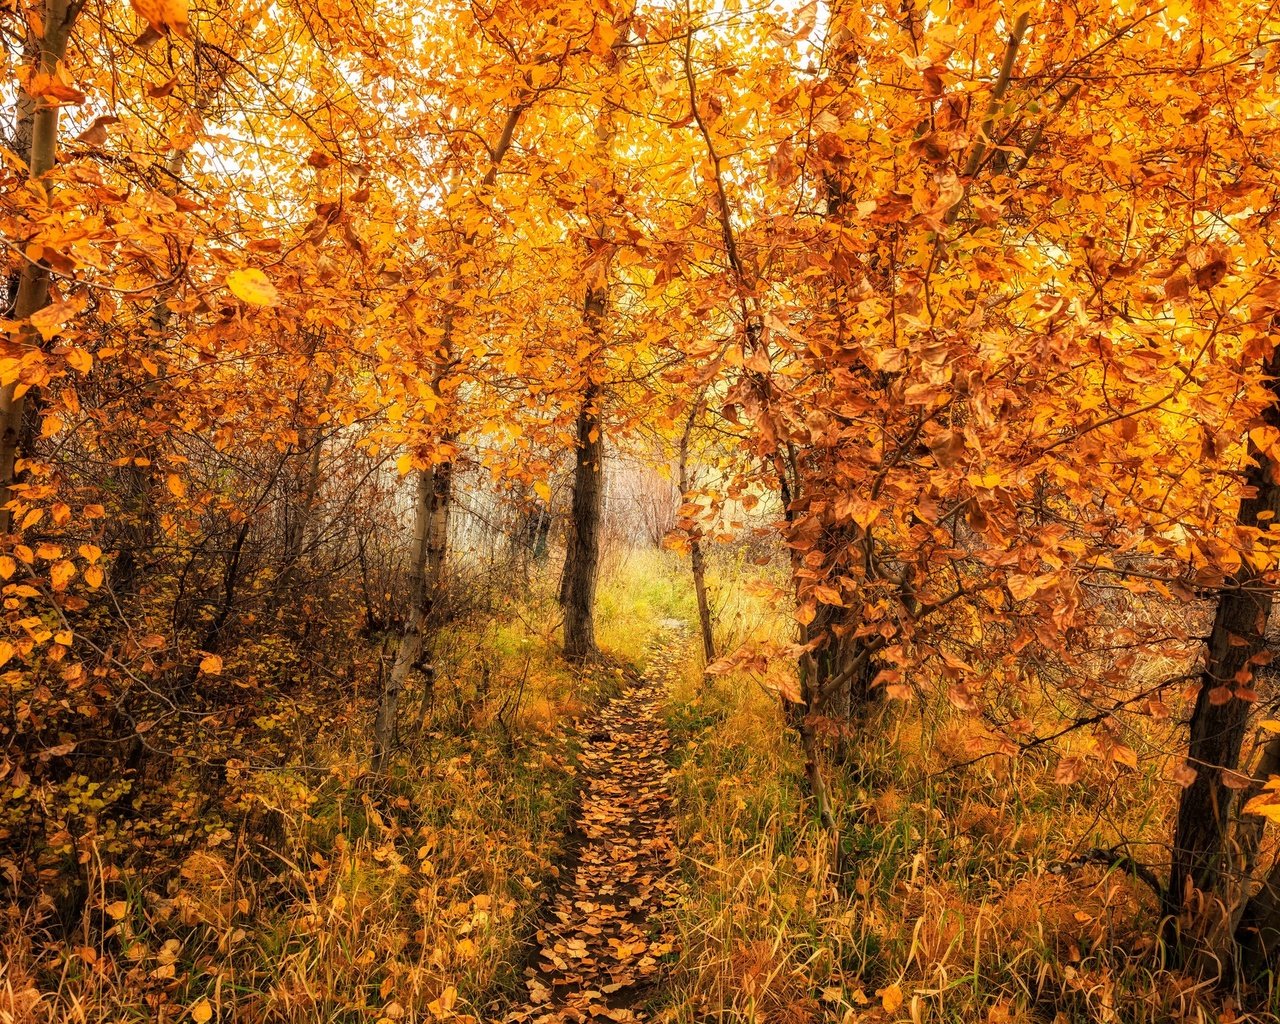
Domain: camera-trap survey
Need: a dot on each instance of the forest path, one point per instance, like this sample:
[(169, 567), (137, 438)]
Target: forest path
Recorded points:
[(600, 943)]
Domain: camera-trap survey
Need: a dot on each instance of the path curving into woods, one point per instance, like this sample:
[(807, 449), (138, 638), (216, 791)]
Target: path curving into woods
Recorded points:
[(600, 946)]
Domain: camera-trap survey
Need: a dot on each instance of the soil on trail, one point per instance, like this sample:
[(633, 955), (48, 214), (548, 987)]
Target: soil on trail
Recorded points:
[(600, 947)]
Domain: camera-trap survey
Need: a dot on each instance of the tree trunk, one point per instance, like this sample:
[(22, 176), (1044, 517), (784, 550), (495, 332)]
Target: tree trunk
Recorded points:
[(20, 143), (302, 512), (409, 652), (697, 562), (1258, 934), (427, 560), (1218, 721), (582, 556), (33, 280), (441, 505), (302, 491)]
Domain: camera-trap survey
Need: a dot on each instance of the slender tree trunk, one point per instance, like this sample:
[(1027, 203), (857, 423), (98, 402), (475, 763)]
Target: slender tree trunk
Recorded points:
[(1257, 928), (303, 491), (1218, 721), (431, 514), (1258, 934), (427, 560), (33, 280), (813, 772), (697, 562), (409, 651), (441, 505), (582, 556), (20, 143)]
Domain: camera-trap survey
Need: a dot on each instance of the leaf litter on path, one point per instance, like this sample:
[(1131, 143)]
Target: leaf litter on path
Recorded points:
[(600, 945)]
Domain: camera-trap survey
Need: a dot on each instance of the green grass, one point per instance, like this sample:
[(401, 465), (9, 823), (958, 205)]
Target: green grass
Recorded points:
[(637, 592)]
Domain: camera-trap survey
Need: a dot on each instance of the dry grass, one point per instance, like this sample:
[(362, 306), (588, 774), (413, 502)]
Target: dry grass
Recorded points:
[(964, 893), (962, 897), (317, 893)]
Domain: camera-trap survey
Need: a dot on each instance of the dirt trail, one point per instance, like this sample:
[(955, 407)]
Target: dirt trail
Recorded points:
[(600, 944)]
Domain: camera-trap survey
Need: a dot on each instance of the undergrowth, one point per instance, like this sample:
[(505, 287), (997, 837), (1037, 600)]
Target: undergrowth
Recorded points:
[(950, 896), (309, 890)]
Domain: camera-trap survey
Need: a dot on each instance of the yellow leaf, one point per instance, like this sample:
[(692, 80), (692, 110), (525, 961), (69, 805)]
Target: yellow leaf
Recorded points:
[(1124, 755), (7, 651), (164, 15), (202, 1012), (7, 566), (1260, 805), (177, 487), (443, 1007), (828, 595), (211, 665), (94, 576), (543, 490), (252, 286), (60, 574), (49, 321), (117, 910), (864, 513), (79, 359), (890, 998)]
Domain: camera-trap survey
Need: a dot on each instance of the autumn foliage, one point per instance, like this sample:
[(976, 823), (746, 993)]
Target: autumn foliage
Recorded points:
[(344, 341)]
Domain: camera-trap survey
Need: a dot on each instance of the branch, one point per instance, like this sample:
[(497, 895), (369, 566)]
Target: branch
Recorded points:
[(997, 93)]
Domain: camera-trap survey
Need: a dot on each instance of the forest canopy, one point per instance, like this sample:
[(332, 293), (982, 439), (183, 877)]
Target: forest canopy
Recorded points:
[(540, 511)]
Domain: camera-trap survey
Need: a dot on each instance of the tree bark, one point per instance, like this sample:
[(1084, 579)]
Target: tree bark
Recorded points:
[(1218, 721), (440, 506), (431, 511), (1258, 934), (33, 280), (409, 651), (813, 774), (697, 563), (582, 555)]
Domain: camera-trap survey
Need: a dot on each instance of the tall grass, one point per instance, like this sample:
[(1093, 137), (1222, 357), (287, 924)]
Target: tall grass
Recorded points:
[(955, 895), (314, 892)]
